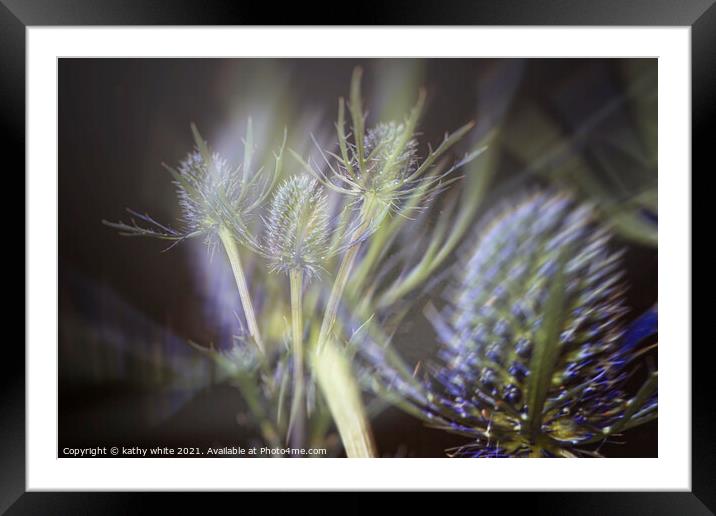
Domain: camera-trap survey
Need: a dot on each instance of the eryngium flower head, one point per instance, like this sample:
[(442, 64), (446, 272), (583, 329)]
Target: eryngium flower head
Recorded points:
[(379, 168), (391, 157), (534, 349), (387, 171), (212, 194), (208, 192), (297, 230)]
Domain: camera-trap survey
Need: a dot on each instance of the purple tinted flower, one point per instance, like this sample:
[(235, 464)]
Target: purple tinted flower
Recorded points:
[(534, 345)]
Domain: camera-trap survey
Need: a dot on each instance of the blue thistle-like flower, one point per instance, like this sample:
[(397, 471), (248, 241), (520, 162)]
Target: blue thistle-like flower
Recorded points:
[(212, 194), (391, 158), (297, 227), (387, 170), (534, 348), (208, 189), (379, 169)]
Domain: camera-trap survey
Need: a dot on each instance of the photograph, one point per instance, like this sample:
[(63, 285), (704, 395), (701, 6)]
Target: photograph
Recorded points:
[(357, 257)]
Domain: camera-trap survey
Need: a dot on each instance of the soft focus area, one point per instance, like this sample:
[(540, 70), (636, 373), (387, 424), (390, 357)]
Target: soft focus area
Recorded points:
[(136, 315)]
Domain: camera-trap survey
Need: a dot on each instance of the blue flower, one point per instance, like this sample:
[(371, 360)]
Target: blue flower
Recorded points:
[(535, 351)]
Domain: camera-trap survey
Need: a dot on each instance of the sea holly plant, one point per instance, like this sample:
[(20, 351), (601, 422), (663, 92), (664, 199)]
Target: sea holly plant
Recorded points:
[(296, 237), (535, 353), (217, 201), (379, 173)]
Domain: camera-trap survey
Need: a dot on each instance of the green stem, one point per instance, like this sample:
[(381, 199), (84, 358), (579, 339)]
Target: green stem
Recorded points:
[(334, 373), (340, 389), (232, 251), (339, 286), (296, 425)]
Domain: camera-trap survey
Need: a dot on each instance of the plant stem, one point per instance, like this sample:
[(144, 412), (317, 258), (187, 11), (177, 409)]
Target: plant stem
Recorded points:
[(339, 387), (232, 251), (339, 286), (296, 427), (333, 370)]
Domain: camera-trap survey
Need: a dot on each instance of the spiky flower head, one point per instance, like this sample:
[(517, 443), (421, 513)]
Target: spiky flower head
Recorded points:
[(212, 194), (387, 172), (297, 227), (208, 191), (534, 349), (391, 157), (380, 167)]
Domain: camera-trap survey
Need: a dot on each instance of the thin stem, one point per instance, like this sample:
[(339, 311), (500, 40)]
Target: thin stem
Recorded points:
[(296, 427), (333, 370), (232, 251), (339, 286)]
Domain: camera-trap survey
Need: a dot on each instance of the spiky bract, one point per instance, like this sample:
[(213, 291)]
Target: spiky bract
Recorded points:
[(297, 227), (379, 167), (387, 172)]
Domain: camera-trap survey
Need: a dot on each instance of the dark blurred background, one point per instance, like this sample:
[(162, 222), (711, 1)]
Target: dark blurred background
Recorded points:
[(126, 373)]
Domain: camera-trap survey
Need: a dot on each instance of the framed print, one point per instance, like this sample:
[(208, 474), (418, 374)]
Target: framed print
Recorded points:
[(414, 256)]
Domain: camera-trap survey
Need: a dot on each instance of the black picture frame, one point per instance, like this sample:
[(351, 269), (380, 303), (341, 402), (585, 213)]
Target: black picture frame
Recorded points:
[(16, 15)]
